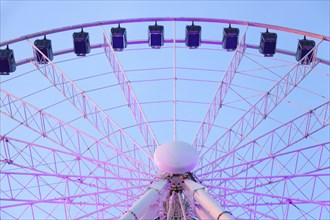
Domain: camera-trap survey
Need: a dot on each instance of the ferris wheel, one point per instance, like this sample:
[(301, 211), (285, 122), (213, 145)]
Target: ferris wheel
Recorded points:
[(165, 118)]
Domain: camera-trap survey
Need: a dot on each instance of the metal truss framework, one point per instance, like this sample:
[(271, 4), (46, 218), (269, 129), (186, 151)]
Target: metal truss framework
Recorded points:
[(217, 101), (68, 137), (274, 142), (280, 174), (230, 140), (132, 101), (85, 105)]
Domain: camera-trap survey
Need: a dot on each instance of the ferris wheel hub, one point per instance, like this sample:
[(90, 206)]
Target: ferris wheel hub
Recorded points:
[(176, 157)]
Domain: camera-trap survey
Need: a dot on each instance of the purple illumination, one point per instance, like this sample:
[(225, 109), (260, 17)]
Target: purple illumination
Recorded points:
[(84, 141)]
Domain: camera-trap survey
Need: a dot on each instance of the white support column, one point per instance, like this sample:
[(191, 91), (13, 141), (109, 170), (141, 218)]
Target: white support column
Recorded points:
[(208, 204), (170, 207), (142, 206), (181, 205), (201, 213)]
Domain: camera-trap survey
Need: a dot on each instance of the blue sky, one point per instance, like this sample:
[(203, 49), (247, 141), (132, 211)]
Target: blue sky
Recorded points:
[(19, 18)]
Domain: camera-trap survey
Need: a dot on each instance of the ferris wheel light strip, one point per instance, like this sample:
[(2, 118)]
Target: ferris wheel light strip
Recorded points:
[(132, 101), (258, 112), (218, 99)]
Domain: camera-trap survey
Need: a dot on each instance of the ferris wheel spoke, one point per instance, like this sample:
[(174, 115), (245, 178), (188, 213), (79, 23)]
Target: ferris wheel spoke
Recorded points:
[(53, 162), (231, 139), (175, 101), (259, 112), (258, 198), (269, 162), (132, 101), (282, 163), (75, 182), (218, 99), (278, 139), (113, 205), (63, 134), (38, 187), (70, 205), (97, 117), (281, 183), (241, 209), (265, 175), (62, 195)]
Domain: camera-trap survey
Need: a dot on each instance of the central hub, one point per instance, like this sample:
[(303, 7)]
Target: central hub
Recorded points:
[(176, 157)]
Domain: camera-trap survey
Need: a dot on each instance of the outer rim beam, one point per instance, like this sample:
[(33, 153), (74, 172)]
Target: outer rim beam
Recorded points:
[(187, 19)]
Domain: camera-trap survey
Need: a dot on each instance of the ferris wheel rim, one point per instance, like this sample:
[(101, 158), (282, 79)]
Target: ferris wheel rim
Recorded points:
[(154, 19), (143, 42)]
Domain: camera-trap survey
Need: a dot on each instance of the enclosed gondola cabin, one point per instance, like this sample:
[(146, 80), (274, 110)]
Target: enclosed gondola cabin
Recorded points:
[(230, 38), (118, 38), (81, 43), (156, 36), (45, 46), (7, 61), (304, 47), (267, 45), (193, 36)]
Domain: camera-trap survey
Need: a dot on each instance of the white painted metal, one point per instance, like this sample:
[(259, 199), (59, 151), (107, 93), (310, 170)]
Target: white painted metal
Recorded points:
[(144, 204), (208, 204), (170, 207), (176, 157), (201, 213), (182, 207)]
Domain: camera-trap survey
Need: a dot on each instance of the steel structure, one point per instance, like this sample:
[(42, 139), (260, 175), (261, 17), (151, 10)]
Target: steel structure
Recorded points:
[(78, 138)]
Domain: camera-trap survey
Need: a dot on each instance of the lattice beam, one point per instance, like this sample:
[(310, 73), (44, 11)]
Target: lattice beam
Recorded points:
[(129, 94), (217, 101), (231, 139), (68, 137), (97, 117), (273, 142)]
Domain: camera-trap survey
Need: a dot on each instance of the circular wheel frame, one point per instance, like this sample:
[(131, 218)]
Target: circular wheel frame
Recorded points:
[(78, 133)]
